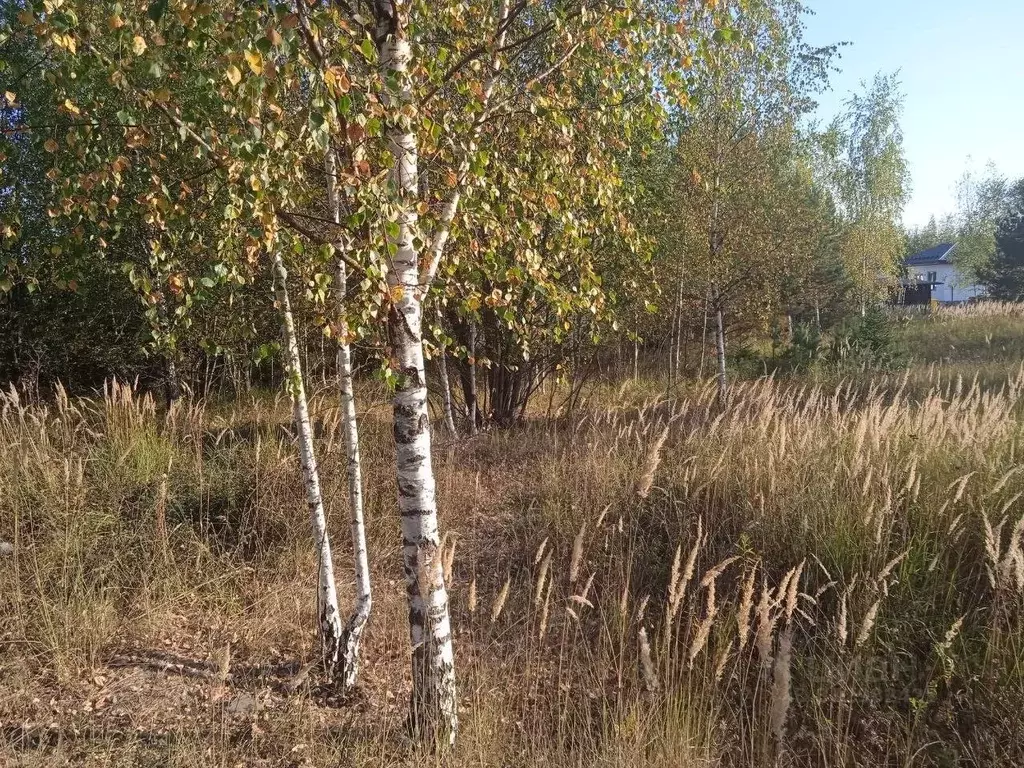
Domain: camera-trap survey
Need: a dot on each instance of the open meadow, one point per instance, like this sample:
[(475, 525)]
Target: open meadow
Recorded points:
[(819, 574)]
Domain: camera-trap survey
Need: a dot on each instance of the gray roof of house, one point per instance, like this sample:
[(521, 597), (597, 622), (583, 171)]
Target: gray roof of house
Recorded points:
[(936, 255)]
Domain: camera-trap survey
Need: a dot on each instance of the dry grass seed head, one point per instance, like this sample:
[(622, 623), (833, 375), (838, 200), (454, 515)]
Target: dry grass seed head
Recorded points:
[(544, 612), (716, 571), (646, 662), (723, 659), (691, 564), (793, 591), (542, 576), (540, 550), (867, 624), (781, 686), (643, 489), (499, 601), (745, 605), (765, 625), (586, 587), (577, 553)]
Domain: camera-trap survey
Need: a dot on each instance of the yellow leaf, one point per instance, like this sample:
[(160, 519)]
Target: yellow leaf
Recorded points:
[(10, 96), (65, 41), (234, 76), (397, 292), (337, 77), (255, 61), (162, 96), (139, 45), (115, 22), (50, 145), (70, 107)]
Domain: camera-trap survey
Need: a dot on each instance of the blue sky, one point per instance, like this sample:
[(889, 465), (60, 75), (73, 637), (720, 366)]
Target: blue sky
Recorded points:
[(962, 72)]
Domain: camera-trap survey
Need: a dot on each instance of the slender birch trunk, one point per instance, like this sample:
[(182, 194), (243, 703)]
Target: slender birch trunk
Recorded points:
[(704, 339), (348, 661), (352, 637), (172, 385), (680, 333), (472, 404), (446, 392), (329, 616), (434, 707), (673, 330), (723, 391)]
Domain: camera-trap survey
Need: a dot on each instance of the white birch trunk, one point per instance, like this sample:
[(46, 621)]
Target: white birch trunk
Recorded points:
[(348, 660), (720, 344), (446, 392), (680, 331), (672, 346), (703, 339), (472, 400), (352, 637), (329, 617), (433, 709)]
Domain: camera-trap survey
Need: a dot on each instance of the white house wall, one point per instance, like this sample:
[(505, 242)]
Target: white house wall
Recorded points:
[(953, 287)]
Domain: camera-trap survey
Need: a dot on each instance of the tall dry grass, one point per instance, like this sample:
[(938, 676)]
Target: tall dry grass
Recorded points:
[(814, 576)]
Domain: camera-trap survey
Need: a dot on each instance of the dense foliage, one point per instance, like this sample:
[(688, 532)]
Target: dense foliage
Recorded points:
[(585, 171)]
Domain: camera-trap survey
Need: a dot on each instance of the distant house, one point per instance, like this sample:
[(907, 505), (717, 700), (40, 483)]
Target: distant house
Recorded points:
[(932, 275)]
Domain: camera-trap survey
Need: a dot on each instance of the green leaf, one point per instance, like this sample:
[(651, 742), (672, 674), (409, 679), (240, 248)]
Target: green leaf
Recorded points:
[(157, 9)]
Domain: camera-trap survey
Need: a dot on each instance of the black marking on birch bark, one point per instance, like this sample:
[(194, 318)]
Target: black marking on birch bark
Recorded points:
[(416, 513), (407, 411), (414, 461), (409, 490), (437, 610), (443, 640), (402, 436)]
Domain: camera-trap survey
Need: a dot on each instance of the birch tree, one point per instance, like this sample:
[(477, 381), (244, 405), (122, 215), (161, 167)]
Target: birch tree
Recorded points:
[(454, 102), (328, 613), (729, 227), (867, 171), (412, 104)]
